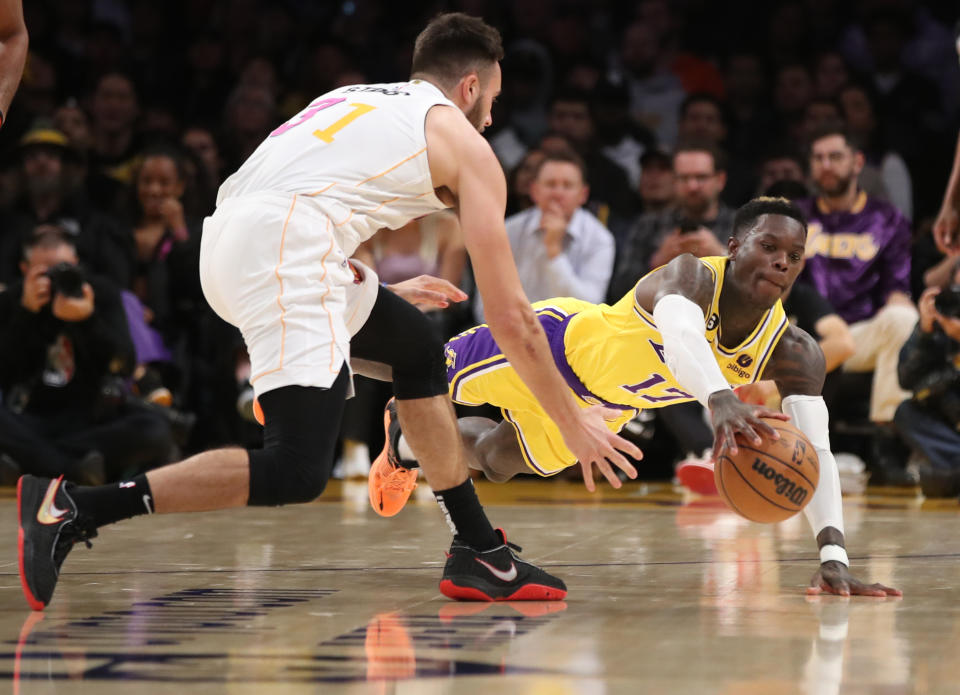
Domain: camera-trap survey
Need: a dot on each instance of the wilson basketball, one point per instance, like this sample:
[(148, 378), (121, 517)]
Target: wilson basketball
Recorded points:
[(772, 481)]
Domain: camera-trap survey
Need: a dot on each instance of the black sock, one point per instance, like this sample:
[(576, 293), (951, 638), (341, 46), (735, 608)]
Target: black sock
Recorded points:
[(395, 443), (107, 504), (466, 517)]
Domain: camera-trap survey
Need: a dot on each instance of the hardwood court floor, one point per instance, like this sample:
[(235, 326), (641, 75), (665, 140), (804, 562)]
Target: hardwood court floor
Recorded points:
[(667, 595)]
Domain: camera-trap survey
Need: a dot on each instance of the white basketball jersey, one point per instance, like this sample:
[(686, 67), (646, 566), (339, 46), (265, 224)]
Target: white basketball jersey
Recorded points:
[(359, 153)]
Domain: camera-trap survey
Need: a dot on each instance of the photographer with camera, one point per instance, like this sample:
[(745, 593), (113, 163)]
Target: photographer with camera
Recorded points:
[(930, 367), (53, 194), (65, 351)]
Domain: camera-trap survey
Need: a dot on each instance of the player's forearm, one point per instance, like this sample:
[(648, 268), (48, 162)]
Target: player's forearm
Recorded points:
[(824, 512), (13, 54)]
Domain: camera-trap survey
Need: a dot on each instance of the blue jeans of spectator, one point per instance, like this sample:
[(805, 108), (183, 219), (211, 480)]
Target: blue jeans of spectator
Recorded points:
[(929, 435)]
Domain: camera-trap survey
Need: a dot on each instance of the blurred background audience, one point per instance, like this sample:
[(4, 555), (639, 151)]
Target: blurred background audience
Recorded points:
[(629, 132)]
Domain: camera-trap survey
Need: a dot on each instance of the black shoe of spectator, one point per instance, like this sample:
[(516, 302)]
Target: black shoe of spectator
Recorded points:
[(9, 471), (91, 470), (888, 462), (892, 474), (937, 483)]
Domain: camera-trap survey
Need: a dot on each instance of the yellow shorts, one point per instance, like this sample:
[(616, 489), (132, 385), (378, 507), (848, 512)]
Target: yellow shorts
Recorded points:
[(478, 373)]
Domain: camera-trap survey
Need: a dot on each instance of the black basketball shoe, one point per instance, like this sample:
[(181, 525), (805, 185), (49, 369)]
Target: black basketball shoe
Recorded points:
[(49, 526), (497, 574)]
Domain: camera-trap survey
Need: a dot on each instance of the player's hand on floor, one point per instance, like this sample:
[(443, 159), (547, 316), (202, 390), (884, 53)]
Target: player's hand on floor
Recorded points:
[(834, 578), (427, 291), (595, 445), (730, 417)]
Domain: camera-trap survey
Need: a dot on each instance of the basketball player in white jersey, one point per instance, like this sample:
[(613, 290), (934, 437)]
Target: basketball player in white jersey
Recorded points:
[(274, 263)]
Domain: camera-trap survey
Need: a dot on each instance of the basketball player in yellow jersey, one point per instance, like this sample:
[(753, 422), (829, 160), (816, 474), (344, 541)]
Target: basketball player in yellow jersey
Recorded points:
[(688, 330)]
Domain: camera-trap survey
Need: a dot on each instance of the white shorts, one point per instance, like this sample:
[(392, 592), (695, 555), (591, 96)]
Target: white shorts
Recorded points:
[(270, 266)]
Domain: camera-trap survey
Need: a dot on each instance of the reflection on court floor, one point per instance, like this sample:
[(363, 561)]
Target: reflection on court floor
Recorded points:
[(667, 594)]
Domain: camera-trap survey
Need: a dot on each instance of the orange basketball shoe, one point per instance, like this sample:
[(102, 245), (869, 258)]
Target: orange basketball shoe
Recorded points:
[(390, 482)]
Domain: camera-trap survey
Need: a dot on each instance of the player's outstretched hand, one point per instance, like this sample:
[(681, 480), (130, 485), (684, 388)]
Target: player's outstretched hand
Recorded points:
[(594, 444), (834, 578), (730, 417), (427, 291)]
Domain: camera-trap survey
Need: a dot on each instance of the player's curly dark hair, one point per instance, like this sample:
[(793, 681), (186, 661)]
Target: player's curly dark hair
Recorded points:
[(747, 216), (452, 45)]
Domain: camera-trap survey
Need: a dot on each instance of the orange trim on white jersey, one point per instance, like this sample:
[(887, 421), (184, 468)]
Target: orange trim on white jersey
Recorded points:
[(283, 309), (322, 190), (323, 303), (387, 171)]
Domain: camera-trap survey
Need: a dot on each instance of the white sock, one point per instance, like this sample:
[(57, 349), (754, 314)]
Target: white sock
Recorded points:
[(404, 451)]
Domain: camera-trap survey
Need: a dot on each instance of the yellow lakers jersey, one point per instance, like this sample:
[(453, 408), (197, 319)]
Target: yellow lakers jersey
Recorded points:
[(617, 352)]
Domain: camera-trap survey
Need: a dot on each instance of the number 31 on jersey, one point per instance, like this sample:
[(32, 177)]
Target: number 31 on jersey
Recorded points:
[(325, 134)]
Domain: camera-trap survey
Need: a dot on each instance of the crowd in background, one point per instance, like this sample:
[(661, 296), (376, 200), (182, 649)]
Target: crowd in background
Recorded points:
[(629, 132)]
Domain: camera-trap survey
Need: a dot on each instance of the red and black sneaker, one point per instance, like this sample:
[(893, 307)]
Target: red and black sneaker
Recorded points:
[(497, 574), (49, 527)]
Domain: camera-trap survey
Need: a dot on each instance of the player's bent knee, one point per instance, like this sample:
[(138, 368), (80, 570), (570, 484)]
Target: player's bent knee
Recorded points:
[(299, 439), (280, 475), (420, 372), (494, 473), (495, 476), (401, 336)]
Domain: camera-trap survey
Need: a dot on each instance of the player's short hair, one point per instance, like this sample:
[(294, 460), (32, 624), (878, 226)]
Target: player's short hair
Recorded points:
[(567, 156), (746, 218), (718, 155), (454, 44)]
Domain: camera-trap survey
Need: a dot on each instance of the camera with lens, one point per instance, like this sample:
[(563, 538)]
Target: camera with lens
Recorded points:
[(947, 302), (66, 279)]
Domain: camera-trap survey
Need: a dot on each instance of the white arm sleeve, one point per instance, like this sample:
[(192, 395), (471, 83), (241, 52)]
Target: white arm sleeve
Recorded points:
[(809, 414), (685, 349)]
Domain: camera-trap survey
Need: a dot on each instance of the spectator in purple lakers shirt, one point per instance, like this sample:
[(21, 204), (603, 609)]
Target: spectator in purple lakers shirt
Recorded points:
[(858, 257)]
